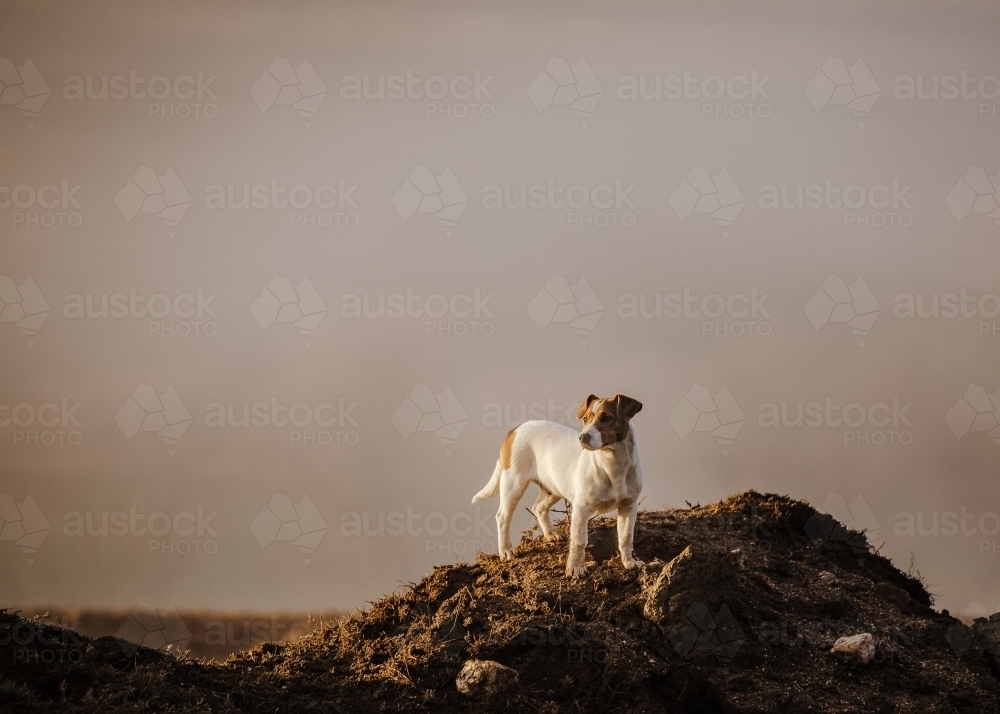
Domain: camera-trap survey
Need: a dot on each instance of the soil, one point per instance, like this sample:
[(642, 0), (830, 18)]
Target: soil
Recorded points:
[(735, 612)]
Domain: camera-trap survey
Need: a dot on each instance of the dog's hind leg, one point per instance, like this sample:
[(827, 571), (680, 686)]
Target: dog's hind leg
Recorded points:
[(543, 504), (512, 487), (578, 520)]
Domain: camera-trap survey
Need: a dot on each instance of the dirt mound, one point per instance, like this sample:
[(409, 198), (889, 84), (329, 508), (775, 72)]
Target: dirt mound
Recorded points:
[(736, 611)]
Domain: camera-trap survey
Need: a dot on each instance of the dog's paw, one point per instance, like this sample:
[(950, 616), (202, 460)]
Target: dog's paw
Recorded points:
[(632, 563), (576, 571), (555, 537), (507, 554)]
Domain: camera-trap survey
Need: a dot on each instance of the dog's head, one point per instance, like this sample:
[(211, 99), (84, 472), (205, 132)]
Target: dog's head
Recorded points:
[(606, 421)]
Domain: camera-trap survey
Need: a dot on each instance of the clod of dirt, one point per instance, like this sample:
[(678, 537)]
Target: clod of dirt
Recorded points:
[(484, 677), (892, 595), (857, 647), (697, 575)]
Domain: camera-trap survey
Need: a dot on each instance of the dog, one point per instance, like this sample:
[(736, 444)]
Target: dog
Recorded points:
[(596, 470)]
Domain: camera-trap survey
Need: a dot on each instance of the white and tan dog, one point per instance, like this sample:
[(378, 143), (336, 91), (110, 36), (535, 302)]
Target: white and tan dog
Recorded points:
[(597, 470)]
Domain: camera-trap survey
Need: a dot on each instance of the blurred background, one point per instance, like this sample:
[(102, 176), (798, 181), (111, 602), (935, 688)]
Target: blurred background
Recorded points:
[(278, 278)]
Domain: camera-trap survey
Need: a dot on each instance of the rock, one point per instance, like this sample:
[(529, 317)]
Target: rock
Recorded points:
[(764, 581), (695, 576), (739, 683), (484, 677), (827, 578), (737, 559), (857, 647), (891, 594)]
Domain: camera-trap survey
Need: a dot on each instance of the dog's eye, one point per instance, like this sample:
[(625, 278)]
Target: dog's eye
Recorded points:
[(605, 418)]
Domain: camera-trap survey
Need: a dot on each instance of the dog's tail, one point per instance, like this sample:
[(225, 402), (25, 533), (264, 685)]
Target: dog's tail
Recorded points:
[(492, 488)]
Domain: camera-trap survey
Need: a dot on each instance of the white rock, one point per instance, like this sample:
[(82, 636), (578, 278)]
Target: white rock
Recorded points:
[(859, 647)]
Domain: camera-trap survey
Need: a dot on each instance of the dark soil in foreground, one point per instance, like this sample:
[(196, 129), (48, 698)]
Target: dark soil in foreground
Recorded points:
[(744, 625)]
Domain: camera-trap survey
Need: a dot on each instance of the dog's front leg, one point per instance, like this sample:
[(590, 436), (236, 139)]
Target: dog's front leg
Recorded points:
[(575, 565), (626, 528)]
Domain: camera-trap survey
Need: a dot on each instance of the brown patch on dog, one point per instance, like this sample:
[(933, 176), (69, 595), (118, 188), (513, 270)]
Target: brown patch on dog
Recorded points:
[(585, 406), (611, 417), (508, 444)]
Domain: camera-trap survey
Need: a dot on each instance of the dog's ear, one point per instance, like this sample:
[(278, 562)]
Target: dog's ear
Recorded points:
[(627, 407), (585, 406)]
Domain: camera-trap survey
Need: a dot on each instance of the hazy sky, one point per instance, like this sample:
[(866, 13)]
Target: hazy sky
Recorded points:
[(383, 149)]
